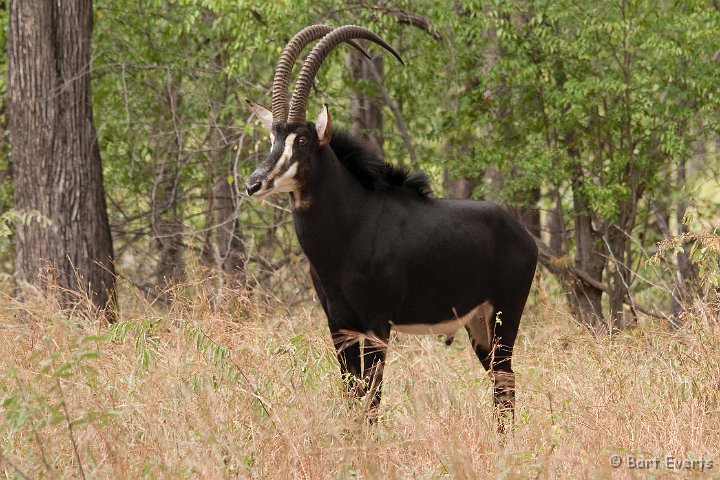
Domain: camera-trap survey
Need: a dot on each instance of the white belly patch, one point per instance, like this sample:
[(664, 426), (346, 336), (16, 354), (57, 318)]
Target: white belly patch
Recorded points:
[(448, 327)]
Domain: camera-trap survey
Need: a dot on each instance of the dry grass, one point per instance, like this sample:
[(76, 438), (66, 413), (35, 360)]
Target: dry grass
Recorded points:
[(241, 390)]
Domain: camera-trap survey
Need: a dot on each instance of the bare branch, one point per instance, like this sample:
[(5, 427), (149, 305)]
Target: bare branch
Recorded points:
[(411, 18), (395, 108), (564, 271)]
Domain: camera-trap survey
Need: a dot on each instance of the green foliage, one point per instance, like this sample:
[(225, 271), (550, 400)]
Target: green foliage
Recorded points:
[(32, 406), (603, 98), (591, 104), (207, 57), (170, 79), (6, 201), (703, 249), (144, 333)]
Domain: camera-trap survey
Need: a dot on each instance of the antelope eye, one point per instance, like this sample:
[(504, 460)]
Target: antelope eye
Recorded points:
[(302, 141)]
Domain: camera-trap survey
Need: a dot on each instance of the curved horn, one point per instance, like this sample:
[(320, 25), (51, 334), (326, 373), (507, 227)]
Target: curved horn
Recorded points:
[(292, 50), (298, 103)]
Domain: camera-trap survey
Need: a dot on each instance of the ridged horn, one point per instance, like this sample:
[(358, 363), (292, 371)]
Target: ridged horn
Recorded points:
[(298, 103), (289, 56)]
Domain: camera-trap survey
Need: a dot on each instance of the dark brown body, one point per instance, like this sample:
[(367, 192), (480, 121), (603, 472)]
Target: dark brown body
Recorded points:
[(396, 259), (383, 254)]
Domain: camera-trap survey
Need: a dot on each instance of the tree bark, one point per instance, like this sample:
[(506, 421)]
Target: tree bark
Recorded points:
[(461, 187), (686, 280), (556, 227), (528, 216), (522, 206), (56, 159), (167, 221), (586, 300), (230, 246), (619, 247), (685, 285), (168, 228)]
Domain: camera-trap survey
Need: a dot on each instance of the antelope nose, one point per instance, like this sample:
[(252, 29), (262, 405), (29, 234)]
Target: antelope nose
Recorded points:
[(252, 187)]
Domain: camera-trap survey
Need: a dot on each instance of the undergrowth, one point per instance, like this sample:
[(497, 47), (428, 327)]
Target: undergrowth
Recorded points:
[(245, 388)]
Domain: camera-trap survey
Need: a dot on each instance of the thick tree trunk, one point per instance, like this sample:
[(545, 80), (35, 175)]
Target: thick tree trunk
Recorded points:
[(223, 249), (366, 112), (230, 245), (586, 300), (207, 251), (55, 154), (619, 247)]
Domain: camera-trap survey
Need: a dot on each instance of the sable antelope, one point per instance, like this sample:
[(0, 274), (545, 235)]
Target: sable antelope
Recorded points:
[(384, 255)]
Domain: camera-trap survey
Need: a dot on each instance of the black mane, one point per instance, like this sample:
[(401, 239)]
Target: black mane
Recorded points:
[(373, 173)]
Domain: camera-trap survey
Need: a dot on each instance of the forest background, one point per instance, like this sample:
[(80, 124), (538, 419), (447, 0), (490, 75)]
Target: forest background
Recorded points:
[(597, 125)]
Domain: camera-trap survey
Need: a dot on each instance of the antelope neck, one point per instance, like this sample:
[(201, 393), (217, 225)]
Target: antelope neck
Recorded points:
[(334, 208)]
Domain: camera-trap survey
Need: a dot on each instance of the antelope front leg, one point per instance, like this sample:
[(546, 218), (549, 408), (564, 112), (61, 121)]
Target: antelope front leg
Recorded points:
[(362, 362), (374, 363)]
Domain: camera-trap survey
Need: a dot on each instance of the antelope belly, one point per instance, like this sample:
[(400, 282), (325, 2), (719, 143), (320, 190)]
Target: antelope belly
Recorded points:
[(446, 327)]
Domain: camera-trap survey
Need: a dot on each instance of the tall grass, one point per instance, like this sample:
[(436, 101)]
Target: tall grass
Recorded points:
[(246, 389)]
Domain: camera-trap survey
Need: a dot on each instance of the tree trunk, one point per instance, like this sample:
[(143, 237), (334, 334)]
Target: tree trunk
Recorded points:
[(167, 221), (223, 249), (207, 250), (458, 187), (231, 257), (556, 227), (686, 280), (366, 112), (522, 206), (586, 300), (167, 226), (620, 275), (55, 154), (528, 216), (231, 249), (230, 246)]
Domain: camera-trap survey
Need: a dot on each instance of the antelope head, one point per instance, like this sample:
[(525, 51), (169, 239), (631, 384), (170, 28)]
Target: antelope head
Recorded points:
[(295, 142)]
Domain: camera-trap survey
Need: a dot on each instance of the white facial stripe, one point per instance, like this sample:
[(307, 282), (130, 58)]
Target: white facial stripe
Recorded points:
[(289, 142), (286, 155), (286, 182)]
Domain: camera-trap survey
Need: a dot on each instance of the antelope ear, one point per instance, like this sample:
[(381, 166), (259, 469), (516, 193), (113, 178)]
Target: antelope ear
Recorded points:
[(262, 113), (323, 126)]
